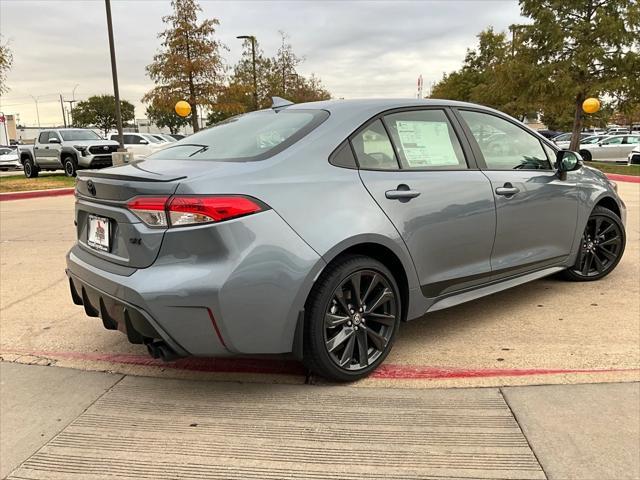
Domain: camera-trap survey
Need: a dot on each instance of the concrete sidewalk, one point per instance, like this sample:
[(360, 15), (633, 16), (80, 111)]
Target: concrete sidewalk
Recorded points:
[(63, 424)]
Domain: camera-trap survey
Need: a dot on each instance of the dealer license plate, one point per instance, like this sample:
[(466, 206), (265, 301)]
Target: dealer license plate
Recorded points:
[(98, 233)]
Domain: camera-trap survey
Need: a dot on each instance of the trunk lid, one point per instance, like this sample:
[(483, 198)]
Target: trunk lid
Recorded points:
[(104, 194)]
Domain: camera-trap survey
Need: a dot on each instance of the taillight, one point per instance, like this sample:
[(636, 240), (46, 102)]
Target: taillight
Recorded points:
[(151, 210), (181, 210)]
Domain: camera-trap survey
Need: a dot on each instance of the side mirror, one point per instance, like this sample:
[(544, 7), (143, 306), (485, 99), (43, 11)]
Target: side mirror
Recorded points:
[(54, 140), (568, 161), (144, 142)]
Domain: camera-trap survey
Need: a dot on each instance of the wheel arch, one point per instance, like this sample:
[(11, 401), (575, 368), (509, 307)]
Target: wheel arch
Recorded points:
[(610, 204), (403, 272), (24, 156)]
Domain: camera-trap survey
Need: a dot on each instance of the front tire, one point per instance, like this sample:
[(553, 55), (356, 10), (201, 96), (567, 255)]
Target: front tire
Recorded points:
[(30, 169), (351, 318), (586, 155), (70, 166), (601, 247)]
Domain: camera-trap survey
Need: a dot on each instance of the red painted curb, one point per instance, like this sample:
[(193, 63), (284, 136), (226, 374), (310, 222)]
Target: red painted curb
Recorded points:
[(54, 192), (623, 178), (289, 367)]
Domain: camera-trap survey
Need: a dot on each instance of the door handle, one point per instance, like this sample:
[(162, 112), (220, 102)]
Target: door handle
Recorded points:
[(507, 190), (403, 192)]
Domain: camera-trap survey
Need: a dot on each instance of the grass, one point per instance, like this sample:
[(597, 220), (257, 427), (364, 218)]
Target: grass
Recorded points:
[(20, 183), (616, 168)]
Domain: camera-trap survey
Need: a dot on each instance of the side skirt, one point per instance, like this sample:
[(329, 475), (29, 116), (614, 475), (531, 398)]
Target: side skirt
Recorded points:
[(468, 295)]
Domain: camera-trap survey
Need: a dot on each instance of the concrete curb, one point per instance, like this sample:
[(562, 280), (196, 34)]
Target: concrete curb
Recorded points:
[(53, 192), (623, 178)]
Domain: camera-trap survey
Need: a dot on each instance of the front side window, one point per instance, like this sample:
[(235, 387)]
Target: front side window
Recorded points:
[(504, 145), (252, 136), (373, 148), (425, 140), (613, 141)]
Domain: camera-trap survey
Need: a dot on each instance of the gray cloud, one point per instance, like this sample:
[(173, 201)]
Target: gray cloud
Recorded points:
[(358, 48)]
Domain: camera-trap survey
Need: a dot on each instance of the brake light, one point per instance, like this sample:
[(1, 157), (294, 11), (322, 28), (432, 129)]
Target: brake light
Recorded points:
[(151, 210), (181, 210)]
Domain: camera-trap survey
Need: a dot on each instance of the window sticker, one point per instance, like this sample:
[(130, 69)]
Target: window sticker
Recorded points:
[(426, 144)]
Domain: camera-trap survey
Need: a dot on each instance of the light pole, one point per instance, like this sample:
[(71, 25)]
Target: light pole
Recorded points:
[(35, 99), (114, 74), (253, 62)]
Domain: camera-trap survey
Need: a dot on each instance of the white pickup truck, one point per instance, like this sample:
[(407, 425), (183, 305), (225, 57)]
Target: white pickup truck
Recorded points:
[(66, 148)]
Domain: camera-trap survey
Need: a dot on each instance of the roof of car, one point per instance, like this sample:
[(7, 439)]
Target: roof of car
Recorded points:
[(379, 103)]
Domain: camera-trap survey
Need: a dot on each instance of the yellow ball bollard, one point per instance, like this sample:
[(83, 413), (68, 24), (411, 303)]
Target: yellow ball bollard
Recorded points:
[(591, 105), (183, 108)]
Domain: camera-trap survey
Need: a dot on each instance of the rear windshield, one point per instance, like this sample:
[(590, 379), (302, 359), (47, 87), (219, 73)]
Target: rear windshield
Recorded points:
[(73, 135), (253, 136)]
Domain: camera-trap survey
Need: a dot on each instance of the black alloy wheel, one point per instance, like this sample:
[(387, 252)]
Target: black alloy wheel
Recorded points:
[(353, 315), (601, 247)]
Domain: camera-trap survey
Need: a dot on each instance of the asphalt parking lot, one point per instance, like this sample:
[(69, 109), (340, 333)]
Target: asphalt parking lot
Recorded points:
[(548, 331)]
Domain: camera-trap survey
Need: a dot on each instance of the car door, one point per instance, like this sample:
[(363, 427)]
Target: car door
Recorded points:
[(609, 149), (55, 149), (424, 178), (630, 142), (42, 150), (536, 209)]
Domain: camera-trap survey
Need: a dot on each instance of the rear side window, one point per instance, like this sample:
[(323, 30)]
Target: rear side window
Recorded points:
[(253, 136), (373, 148), (504, 145), (43, 137), (613, 141), (633, 140), (425, 140)]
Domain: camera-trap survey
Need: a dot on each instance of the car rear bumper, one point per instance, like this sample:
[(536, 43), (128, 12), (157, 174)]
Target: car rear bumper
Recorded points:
[(231, 288)]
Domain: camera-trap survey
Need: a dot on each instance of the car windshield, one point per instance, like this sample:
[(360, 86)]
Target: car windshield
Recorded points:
[(5, 151), (590, 140), (253, 136), (73, 135)]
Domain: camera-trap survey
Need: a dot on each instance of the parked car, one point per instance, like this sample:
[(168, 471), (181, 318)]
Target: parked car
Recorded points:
[(164, 137), (141, 144), (566, 137), (9, 159), (70, 149), (615, 148), (549, 133), (618, 130), (584, 141), (318, 228), (634, 156)]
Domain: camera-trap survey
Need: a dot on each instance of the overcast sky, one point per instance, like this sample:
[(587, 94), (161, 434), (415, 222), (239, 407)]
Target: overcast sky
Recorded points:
[(357, 48)]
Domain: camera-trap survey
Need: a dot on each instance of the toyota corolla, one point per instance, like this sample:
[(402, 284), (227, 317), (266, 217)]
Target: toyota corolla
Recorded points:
[(319, 228)]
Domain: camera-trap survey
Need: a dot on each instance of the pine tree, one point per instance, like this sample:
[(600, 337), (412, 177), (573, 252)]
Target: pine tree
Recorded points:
[(189, 64)]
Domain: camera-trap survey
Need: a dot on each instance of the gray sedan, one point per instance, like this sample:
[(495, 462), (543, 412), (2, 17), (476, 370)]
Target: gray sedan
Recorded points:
[(319, 228), (615, 148)]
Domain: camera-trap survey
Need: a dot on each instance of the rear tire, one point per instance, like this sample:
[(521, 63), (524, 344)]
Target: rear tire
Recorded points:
[(30, 169), (70, 166), (601, 247), (351, 318)]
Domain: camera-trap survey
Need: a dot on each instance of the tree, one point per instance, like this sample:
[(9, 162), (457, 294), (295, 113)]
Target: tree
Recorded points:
[(163, 115), (276, 76), (189, 65), (583, 48), (498, 74), (6, 60), (99, 111)]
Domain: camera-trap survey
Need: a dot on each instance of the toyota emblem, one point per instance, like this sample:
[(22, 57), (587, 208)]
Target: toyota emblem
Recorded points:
[(106, 148), (91, 187)]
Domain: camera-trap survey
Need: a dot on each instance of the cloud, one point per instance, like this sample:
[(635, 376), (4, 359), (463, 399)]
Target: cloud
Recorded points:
[(358, 48)]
